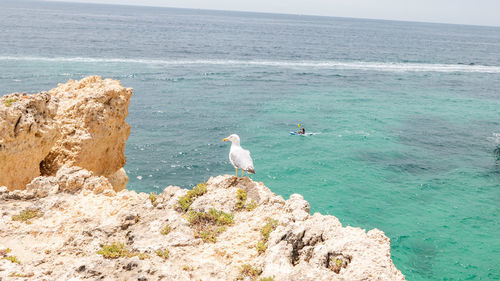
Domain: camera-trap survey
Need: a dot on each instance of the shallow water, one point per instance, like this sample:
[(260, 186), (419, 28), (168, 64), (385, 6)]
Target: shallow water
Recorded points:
[(407, 115)]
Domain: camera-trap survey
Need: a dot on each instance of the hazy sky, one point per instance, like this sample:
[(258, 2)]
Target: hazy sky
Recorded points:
[(477, 12)]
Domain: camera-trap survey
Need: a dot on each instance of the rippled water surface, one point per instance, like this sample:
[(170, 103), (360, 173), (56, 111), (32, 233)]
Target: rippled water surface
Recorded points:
[(407, 115)]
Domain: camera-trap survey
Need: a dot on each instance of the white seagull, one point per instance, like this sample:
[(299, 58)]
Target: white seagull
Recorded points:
[(239, 157)]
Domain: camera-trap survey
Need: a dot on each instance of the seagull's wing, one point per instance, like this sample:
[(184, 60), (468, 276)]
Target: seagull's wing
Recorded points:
[(241, 159), (250, 167), (248, 160)]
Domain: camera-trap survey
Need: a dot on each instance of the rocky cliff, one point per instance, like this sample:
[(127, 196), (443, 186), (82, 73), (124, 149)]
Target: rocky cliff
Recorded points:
[(80, 123), (64, 219), (27, 133)]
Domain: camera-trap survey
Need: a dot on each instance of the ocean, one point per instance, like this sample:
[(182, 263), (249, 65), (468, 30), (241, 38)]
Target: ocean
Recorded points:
[(406, 115)]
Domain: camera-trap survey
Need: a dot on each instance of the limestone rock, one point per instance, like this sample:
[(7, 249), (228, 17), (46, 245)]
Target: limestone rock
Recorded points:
[(118, 180), (27, 133), (80, 123), (92, 114), (319, 248), (73, 223), (43, 186), (298, 207), (73, 179)]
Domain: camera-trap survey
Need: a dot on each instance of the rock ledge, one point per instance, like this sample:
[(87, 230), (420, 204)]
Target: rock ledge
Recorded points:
[(74, 222)]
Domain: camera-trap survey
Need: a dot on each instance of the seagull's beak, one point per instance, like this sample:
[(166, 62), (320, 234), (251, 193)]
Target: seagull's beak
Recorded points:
[(224, 139)]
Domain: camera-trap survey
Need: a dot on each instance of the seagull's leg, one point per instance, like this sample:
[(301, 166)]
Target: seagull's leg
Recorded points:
[(236, 172), (241, 172)]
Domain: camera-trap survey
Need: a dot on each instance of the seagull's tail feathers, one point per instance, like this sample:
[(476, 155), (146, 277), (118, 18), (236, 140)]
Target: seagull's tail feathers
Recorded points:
[(251, 170)]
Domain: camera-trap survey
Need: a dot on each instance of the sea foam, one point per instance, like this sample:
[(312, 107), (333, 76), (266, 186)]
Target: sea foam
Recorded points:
[(329, 64)]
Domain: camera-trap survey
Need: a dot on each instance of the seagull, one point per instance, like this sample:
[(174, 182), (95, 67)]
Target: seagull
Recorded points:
[(239, 157)]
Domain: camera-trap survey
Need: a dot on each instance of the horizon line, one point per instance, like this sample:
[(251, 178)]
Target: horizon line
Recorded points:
[(267, 13)]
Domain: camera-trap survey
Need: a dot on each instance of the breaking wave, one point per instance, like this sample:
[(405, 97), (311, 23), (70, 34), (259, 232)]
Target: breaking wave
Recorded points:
[(359, 65)]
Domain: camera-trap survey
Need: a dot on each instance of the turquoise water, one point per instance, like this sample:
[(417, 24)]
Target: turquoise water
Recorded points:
[(407, 115)]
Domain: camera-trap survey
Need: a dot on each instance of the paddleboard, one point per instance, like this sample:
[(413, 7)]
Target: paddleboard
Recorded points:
[(306, 134)]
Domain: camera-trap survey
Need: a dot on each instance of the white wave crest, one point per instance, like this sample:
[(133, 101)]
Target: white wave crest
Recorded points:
[(495, 138), (359, 65)]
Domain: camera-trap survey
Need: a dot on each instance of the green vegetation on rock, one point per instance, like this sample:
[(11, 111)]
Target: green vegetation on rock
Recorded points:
[(22, 275), (118, 250), (8, 102), (335, 264), (166, 230), (27, 215), (152, 198), (12, 259), (4, 252), (163, 253), (261, 247), (248, 271), (209, 225), (268, 228), (242, 198), (114, 251), (4, 255), (265, 233), (251, 206), (186, 200)]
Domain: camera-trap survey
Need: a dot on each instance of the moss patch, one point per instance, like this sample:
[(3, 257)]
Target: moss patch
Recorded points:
[(163, 253), (261, 247), (118, 250), (248, 271), (241, 204), (152, 198), (23, 275), (337, 262), (142, 256), (114, 251), (4, 252), (27, 215), (208, 226), (166, 230), (251, 206), (8, 102), (12, 259), (186, 200), (265, 232), (242, 198), (267, 279), (335, 265), (4, 255), (268, 228)]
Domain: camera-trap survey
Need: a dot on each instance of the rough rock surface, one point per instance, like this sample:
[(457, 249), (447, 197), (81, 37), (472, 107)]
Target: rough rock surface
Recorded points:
[(78, 213), (27, 133), (92, 114), (80, 123)]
